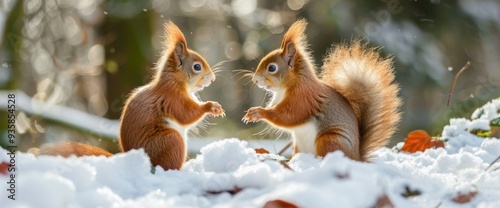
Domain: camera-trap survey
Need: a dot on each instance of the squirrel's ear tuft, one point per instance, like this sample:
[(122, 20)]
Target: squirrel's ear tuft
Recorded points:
[(294, 39), (295, 34), (175, 40)]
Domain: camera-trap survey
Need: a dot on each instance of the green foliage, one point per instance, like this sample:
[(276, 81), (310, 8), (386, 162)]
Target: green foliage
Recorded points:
[(495, 122)]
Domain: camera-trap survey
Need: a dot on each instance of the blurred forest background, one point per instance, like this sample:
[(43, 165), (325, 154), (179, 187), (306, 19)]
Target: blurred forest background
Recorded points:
[(88, 55)]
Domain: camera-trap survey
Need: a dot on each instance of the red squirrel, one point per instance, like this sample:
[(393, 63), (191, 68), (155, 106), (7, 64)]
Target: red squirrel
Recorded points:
[(353, 105), (157, 116)]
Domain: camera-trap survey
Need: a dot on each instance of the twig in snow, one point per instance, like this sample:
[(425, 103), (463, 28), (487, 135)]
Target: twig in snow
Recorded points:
[(285, 148), (491, 164), (455, 80)]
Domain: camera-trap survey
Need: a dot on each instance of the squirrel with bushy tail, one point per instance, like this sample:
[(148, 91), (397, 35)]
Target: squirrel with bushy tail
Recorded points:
[(352, 106)]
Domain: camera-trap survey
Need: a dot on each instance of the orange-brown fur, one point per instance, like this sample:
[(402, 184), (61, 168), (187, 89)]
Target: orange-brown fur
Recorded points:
[(330, 140), (67, 149), (144, 121), (283, 115), (371, 92), (350, 112)]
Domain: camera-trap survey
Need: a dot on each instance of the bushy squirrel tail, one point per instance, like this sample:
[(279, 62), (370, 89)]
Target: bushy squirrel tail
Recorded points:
[(67, 149), (366, 80)]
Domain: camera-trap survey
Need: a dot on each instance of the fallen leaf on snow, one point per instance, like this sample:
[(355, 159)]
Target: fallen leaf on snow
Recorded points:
[(3, 168), (463, 198), (279, 204), (261, 151), (384, 202), (420, 140)]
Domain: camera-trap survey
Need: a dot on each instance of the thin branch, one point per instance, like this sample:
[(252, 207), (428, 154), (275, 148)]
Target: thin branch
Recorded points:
[(491, 164), (455, 81), (285, 148), (63, 116)]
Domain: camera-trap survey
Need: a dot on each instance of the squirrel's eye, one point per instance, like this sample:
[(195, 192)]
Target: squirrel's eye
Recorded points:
[(272, 68), (197, 67)]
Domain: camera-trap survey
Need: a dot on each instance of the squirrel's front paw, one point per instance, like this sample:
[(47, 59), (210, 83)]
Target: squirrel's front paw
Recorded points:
[(216, 110), (253, 115)]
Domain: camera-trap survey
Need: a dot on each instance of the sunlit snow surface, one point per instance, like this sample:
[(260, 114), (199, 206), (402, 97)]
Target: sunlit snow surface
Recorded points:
[(227, 173)]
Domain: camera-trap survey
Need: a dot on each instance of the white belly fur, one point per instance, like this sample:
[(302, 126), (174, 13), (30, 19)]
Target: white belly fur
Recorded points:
[(277, 97), (183, 130), (305, 137)]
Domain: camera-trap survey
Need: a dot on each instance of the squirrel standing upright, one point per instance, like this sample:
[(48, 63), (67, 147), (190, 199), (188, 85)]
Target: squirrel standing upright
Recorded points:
[(157, 116), (353, 107)]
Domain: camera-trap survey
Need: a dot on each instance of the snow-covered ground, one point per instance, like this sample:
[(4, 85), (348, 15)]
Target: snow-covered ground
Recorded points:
[(228, 173)]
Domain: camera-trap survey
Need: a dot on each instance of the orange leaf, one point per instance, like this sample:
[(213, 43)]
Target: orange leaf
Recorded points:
[(279, 204), (438, 143), (261, 151), (384, 202), (3, 168), (420, 140), (464, 198)]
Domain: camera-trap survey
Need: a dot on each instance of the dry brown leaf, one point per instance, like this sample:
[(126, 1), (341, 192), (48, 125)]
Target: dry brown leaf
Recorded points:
[(463, 198), (384, 202), (235, 190), (261, 151), (420, 140), (3, 168), (279, 204)]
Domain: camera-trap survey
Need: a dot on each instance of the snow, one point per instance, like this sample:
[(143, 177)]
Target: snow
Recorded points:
[(228, 173), (480, 124), (489, 111)]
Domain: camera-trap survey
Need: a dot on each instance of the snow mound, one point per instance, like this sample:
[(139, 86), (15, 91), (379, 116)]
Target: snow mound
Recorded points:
[(489, 111), (228, 173)]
